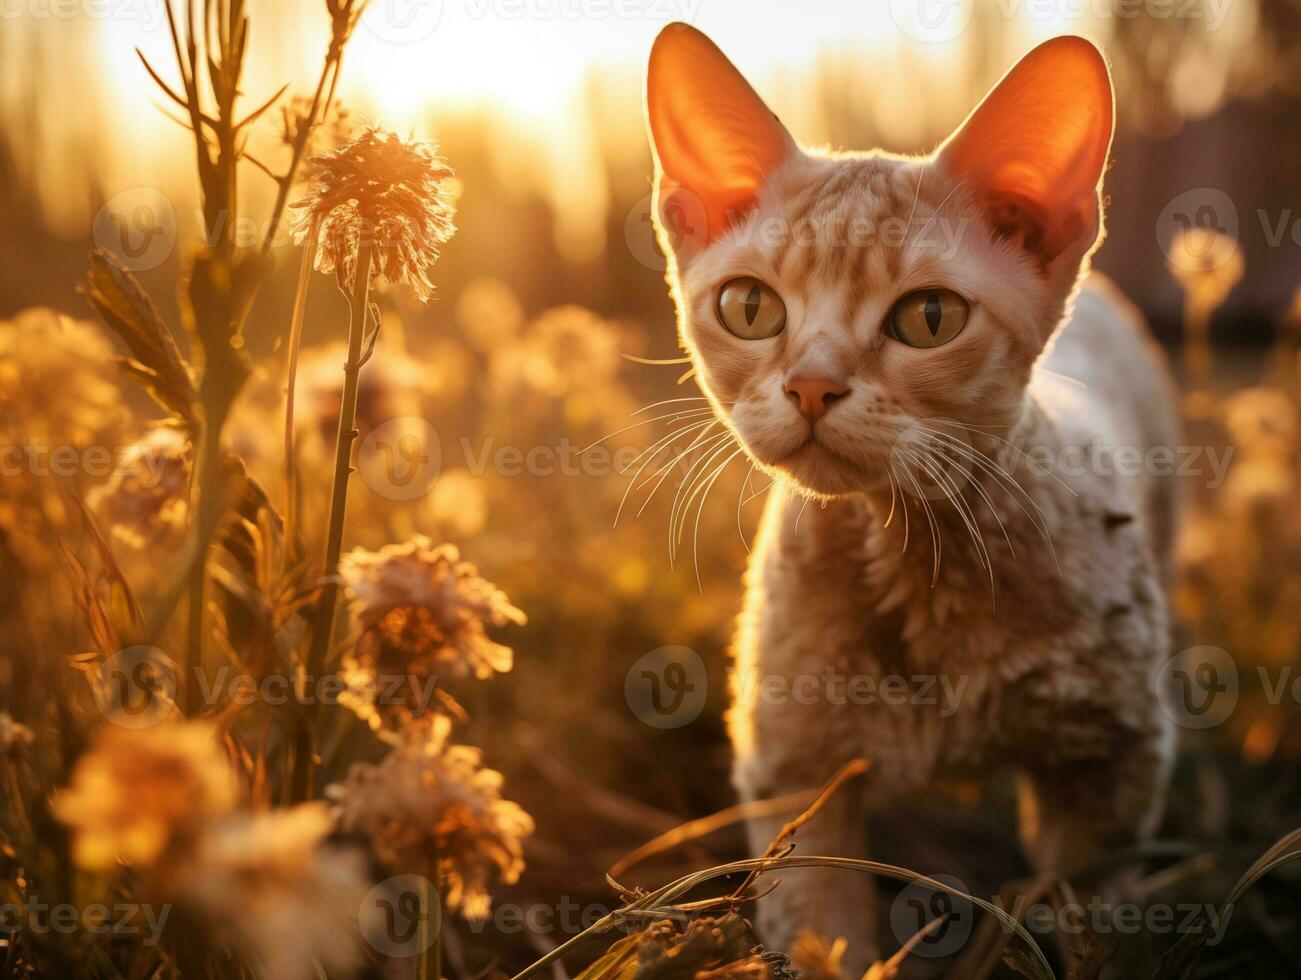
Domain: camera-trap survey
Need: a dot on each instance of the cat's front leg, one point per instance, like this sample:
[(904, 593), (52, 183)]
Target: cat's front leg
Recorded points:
[(830, 902), (1075, 816)]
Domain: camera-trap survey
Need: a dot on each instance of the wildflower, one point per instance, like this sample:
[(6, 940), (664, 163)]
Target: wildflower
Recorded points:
[(147, 497), (57, 382), (142, 795), (431, 808), (382, 193), (276, 892), (420, 609)]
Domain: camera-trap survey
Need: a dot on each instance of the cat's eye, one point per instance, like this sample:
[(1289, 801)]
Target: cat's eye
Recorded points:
[(928, 317), (751, 309)]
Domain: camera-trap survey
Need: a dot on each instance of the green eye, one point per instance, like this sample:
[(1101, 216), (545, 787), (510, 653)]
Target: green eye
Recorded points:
[(928, 317), (750, 309)]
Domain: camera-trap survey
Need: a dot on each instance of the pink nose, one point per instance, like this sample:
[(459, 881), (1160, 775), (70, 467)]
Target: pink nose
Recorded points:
[(813, 396)]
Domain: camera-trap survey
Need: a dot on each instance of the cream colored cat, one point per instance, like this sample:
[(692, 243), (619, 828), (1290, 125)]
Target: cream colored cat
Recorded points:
[(893, 336)]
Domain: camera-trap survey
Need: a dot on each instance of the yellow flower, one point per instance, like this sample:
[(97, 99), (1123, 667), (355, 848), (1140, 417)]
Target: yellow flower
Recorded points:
[(431, 808), (139, 796)]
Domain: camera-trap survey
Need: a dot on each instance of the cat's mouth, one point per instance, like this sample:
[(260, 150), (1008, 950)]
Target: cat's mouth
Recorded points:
[(819, 466)]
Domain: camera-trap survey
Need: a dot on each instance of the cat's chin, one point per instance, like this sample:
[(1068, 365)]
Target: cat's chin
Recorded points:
[(824, 472)]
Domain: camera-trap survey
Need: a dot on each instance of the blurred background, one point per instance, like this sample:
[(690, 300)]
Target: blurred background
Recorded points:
[(553, 277)]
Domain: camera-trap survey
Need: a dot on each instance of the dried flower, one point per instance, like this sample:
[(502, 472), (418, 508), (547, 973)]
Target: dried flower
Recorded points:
[(722, 948), (140, 795), (429, 801), (379, 192), (277, 893), (420, 609), (147, 497)]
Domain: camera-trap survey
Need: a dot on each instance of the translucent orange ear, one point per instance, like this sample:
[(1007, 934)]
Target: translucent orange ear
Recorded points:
[(714, 139), (1035, 148)]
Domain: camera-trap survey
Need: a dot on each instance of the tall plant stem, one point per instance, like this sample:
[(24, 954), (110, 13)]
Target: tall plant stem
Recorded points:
[(291, 379), (323, 633)]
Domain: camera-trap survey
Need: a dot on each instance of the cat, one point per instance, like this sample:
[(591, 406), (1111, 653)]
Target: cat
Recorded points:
[(909, 347)]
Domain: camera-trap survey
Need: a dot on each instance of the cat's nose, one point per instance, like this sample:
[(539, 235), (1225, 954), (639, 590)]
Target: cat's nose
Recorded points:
[(813, 396)]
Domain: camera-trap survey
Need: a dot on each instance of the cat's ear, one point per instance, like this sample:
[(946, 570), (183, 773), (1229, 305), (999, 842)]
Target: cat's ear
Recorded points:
[(1034, 150), (714, 140)]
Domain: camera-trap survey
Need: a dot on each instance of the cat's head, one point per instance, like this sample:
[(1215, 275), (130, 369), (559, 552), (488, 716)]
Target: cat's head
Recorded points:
[(834, 302)]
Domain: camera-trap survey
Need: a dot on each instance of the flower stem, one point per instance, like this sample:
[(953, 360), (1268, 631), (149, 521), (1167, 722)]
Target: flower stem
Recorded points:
[(323, 633), (291, 378)]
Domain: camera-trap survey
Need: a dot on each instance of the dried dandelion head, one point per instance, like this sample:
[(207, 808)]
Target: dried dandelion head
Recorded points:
[(147, 497), (381, 193), (420, 609), (431, 808), (274, 889), (140, 795)]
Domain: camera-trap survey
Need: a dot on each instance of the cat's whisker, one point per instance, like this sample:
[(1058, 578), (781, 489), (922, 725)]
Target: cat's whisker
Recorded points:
[(982, 460), (740, 503), (674, 416), (930, 520), (659, 446), (917, 193), (801, 514), (1015, 448), (956, 187), (717, 444), (681, 508), (933, 465), (670, 401), (667, 468), (903, 499), (939, 448), (893, 496), (695, 534)]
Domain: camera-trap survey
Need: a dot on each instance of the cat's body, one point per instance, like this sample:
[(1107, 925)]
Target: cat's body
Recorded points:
[(1052, 675), (881, 334)]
